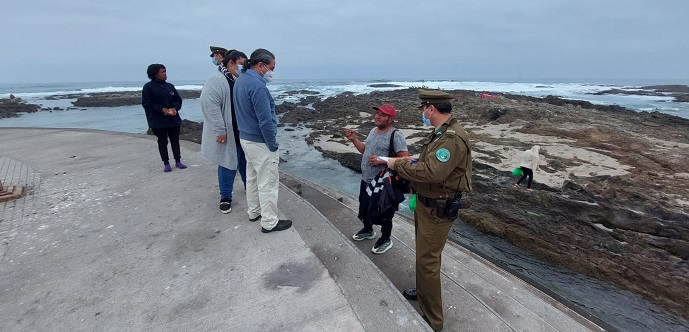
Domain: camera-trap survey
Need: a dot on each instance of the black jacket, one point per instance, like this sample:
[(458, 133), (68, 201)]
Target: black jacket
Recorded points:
[(383, 196), (157, 95)]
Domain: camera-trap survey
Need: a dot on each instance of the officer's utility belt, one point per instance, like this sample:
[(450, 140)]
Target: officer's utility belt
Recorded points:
[(445, 208)]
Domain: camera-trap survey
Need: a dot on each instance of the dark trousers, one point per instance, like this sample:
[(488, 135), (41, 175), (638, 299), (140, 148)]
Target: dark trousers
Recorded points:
[(163, 134), (527, 172), (385, 220), (241, 163)]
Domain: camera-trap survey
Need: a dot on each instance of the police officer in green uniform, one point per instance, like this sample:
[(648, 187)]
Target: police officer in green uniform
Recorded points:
[(218, 54), (439, 176)]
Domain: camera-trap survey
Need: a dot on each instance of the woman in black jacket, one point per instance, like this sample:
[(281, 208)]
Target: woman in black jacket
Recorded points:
[(162, 103)]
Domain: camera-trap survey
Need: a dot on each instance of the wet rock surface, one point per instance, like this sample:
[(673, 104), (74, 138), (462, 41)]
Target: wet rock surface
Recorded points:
[(113, 99), (679, 93), (611, 198), (189, 131), (9, 108)]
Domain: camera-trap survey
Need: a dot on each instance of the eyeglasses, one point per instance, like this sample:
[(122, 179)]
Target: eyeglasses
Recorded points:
[(266, 66), (424, 103)]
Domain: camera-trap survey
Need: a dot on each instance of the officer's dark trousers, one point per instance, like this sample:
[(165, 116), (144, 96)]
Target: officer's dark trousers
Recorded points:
[(431, 235)]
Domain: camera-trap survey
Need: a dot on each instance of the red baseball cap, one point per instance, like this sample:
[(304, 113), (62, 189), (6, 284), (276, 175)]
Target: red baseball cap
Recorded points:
[(387, 109)]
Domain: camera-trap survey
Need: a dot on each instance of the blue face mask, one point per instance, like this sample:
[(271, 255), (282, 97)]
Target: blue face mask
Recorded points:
[(425, 120), (215, 62)]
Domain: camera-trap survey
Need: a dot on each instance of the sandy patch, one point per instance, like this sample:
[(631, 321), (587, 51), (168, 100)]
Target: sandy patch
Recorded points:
[(588, 161), (591, 162), (684, 176), (507, 131), (327, 143), (409, 132)]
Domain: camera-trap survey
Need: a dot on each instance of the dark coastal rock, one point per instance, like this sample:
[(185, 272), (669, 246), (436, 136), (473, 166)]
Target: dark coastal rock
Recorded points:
[(309, 100), (114, 99), (384, 85), (630, 229), (300, 92), (190, 131), (682, 98), (10, 109), (667, 88), (680, 93), (350, 160)]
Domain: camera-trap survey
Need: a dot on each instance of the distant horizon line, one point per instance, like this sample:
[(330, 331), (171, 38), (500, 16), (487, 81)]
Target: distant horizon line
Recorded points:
[(638, 81)]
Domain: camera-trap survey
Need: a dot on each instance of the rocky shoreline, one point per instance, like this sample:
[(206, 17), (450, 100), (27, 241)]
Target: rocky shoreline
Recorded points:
[(113, 99), (679, 93), (9, 108), (611, 199)]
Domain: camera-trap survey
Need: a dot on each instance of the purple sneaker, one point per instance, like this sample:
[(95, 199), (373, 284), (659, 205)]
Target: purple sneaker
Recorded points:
[(180, 165), (167, 168)]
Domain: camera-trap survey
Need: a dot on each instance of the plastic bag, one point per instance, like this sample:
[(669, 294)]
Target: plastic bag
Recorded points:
[(412, 203), (518, 171)]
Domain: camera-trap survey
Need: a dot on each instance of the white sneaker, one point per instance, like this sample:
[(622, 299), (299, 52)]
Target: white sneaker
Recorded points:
[(363, 235), (381, 248)]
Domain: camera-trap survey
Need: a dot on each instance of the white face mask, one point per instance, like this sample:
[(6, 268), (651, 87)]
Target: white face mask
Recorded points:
[(268, 76)]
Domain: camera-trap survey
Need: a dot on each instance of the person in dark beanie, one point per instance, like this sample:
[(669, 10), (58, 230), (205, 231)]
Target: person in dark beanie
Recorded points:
[(162, 103)]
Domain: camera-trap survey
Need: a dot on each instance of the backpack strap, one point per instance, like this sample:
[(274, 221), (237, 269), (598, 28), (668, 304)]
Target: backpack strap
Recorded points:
[(391, 150)]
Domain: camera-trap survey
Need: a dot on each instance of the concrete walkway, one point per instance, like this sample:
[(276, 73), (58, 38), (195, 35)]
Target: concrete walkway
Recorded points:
[(105, 241)]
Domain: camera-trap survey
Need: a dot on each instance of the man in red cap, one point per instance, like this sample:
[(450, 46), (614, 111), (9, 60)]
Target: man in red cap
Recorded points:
[(383, 140)]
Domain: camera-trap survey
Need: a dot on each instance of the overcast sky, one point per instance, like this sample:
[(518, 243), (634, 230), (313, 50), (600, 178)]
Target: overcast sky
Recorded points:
[(94, 40)]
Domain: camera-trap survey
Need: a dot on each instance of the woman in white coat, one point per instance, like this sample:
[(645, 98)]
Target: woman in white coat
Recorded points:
[(528, 162)]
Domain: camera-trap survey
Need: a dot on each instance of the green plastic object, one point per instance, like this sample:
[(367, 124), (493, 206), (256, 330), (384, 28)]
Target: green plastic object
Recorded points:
[(412, 203), (518, 172)]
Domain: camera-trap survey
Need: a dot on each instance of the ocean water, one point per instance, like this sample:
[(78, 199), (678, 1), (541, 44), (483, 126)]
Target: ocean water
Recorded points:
[(620, 309), (568, 90)]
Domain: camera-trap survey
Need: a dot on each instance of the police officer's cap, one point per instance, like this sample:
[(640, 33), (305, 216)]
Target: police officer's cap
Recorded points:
[(216, 49), (434, 97)]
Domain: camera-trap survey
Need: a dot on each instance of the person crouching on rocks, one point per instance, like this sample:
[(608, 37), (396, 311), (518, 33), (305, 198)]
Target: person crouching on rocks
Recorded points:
[(528, 162)]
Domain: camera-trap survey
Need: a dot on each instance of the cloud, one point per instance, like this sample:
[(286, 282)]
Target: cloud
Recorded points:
[(77, 40)]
